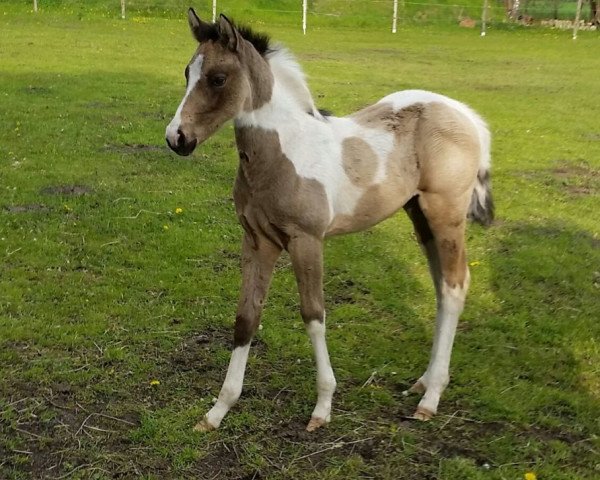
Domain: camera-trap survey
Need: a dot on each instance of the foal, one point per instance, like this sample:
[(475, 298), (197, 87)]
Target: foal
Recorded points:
[(303, 176)]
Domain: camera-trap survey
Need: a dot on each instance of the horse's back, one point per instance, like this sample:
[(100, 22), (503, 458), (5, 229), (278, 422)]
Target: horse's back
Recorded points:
[(445, 110)]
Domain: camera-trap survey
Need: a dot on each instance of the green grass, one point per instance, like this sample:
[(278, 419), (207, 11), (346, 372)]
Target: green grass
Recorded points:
[(98, 298)]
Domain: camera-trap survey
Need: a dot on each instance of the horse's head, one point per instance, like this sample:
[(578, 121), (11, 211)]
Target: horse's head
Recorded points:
[(219, 77)]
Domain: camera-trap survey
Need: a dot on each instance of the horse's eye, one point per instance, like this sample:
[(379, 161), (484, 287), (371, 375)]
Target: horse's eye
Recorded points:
[(187, 74), (218, 80)]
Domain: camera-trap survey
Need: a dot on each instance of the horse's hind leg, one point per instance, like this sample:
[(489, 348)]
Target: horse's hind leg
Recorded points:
[(439, 222)]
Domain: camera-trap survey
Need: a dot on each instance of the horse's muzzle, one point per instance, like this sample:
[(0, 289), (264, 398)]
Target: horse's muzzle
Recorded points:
[(181, 145)]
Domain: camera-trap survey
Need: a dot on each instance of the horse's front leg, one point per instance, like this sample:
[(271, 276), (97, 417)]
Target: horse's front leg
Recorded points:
[(306, 253), (258, 260)]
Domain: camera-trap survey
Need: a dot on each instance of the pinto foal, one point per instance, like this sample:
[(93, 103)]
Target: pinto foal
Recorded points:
[(303, 176)]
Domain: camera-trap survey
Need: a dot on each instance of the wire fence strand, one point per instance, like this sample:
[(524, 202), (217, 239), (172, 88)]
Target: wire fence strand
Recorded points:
[(346, 13)]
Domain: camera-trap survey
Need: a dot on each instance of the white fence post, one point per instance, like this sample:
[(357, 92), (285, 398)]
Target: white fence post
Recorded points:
[(214, 10), (484, 18), (304, 17), (35, 5), (122, 8), (395, 17), (577, 17)]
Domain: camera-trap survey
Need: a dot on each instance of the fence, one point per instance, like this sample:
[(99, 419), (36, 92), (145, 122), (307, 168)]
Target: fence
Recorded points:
[(380, 14)]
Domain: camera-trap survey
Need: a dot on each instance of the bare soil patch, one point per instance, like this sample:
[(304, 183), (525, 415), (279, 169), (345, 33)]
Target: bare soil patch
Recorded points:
[(133, 148), (33, 207), (576, 179), (52, 432), (67, 190)]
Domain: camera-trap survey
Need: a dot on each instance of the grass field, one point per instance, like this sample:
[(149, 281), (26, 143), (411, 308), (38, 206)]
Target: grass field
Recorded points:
[(116, 312)]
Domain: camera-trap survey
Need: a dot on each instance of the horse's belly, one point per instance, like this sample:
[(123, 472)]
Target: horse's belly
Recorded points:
[(376, 203)]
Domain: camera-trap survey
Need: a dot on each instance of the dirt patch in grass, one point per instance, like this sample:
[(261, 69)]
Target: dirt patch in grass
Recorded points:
[(46, 433), (593, 137), (133, 148), (575, 179), (568, 171), (223, 260), (37, 90), (342, 290), (67, 190), (29, 208), (195, 352)]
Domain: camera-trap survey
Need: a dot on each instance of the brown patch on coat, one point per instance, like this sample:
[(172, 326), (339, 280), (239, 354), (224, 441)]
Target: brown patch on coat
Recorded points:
[(271, 199), (360, 161), (371, 116), (306, 253), (446, 217), (448, 148), (258, 260), (453, 260), (382, 200), (382, 116)]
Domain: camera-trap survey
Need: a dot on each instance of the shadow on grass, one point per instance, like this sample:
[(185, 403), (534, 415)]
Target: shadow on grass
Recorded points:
[(545, 277)]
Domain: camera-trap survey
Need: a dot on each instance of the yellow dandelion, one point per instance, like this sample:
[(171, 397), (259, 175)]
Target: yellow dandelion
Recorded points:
[(475, 264), (154, 382), (530, 476), (165, 227), (179, 210)]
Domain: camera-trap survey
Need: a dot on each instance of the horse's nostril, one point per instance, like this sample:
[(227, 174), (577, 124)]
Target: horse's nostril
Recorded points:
[(180, 137)]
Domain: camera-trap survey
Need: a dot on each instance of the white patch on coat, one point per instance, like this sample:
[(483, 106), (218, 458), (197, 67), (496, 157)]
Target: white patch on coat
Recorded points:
[(437, 376), (314, 144), (232, 386), (194, 75), (325, 378)]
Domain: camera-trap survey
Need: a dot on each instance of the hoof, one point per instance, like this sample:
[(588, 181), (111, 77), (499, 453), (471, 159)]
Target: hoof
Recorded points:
[(204, 426), (315, 423), (417, 387), (423, 414)]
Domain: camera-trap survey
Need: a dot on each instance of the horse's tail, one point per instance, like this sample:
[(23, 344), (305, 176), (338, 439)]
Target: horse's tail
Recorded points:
[(481, 209)]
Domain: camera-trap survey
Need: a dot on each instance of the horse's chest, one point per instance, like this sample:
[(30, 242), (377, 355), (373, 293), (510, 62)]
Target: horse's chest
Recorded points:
[(271, 197)]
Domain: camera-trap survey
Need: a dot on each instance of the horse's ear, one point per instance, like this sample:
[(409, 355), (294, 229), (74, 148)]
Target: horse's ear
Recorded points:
[(201, 30), (228, 34)]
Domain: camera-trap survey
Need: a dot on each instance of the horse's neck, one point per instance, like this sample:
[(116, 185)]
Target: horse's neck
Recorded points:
[(260, 156), (289, 116), (290, 99)]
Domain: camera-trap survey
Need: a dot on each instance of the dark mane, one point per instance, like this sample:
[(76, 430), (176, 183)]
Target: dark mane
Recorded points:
[(260, 41)]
